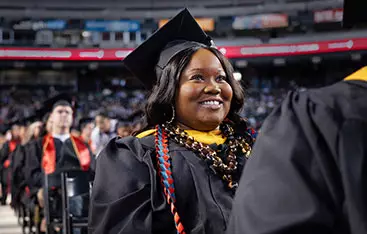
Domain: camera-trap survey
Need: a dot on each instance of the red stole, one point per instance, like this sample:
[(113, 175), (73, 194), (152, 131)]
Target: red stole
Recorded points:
[(12, 146), (49, 153)]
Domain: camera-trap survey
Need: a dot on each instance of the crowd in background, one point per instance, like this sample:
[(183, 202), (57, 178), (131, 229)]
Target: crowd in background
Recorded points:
[(17, 104)]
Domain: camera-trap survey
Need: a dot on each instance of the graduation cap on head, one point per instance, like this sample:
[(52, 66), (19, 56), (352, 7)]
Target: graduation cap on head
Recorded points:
[(8, 126), (354, 13), (4, 128), (83, 122), (148, 60), (63, 99), (123, 122)]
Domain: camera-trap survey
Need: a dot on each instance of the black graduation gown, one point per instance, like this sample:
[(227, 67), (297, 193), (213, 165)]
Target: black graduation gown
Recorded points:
[(4, 155), (66, 158), (308, 169), (18, 177), (127, 195)]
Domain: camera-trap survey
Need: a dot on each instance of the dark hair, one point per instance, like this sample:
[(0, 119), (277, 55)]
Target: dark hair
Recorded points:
[(103, 114), (43, 131), (61, 103), (158, 109)]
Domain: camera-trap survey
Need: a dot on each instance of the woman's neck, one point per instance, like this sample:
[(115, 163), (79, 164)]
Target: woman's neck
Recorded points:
[(186, 127)]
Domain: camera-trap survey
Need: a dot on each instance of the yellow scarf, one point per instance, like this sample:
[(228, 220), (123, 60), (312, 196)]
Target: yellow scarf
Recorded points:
[(361, 74), (211, 137)]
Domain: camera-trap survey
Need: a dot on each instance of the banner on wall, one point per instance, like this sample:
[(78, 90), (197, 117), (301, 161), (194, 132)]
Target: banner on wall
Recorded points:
[(112, 25), (260, 21), (39, 25), (327, 16), (207, 24), (267, 50)]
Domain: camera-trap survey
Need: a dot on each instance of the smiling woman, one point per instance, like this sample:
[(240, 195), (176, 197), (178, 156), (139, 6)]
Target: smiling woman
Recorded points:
[(180, 173)]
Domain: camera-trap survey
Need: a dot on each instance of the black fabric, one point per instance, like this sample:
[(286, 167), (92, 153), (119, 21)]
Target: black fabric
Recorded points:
[(354, 13), (307, 172), (127, 196), (63, 99), (4, 155), (142, 62), (18, 177), (66, 158)]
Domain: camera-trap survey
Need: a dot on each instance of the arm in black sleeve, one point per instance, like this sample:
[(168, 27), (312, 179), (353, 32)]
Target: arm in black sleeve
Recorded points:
[(4, 153), (33, 172), (121, 196), (291, 182)]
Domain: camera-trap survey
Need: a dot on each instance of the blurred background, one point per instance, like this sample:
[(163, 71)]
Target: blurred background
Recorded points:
[(52, 47), (48, 47)]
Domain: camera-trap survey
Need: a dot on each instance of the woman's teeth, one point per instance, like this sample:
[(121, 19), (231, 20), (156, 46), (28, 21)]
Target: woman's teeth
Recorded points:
[(211, 103)]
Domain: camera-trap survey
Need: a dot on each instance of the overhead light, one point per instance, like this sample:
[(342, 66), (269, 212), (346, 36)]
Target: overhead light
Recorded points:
[(93, 66), (57, 65), (237, 76), (86, 34), (356, 56), (241, 63), (279, 62), (19, 64), (316, 59)]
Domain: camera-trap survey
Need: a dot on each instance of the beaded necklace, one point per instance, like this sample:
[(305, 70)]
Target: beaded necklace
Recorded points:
[(224, 168)]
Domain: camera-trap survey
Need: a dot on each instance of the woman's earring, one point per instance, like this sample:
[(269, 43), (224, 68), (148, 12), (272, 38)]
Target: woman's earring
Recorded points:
[(173, 115)]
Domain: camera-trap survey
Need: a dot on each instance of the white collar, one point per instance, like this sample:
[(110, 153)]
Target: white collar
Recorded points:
[(62, 137)]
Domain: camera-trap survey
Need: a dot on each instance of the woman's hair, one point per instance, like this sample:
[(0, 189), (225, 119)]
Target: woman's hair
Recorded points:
[(158, 109), (30, 134)]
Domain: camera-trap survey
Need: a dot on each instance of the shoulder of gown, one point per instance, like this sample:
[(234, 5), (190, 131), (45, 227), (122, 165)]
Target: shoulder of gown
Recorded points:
[(292, 182), (121, 195)]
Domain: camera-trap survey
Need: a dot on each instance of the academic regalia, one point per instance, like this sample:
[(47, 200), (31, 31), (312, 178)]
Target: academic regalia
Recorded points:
[(5, 167), (137, 188), (83, 122), (308, 169), (66, 158), (128, 197), (18, 177)]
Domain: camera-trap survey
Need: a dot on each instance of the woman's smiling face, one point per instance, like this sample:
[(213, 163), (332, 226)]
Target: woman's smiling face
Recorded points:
[(203, 97)]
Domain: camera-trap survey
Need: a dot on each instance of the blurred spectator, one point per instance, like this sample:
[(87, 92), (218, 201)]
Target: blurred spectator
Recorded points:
[(106, 128)]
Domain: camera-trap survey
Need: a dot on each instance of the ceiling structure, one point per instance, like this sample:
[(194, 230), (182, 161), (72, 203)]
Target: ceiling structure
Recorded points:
[(138, 9)]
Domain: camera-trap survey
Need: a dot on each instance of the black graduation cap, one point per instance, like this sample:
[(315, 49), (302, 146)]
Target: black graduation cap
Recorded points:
[(123, 122), (354, 13), (84, 121), (63, 99), (4, 128), (7, 126), (19, 122), (148, 60)]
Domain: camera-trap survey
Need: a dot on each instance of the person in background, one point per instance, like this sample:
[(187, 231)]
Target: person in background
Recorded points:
[(19, 188), (5, 160), (58, 150), (105, 130), (180, 174), (308, 170), (124, 128), (86, 126)]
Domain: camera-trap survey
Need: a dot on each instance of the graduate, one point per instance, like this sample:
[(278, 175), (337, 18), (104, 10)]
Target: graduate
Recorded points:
[(58, 149), (308, 169), (86, 126), (180, 174), (5, 160), (20, 191)]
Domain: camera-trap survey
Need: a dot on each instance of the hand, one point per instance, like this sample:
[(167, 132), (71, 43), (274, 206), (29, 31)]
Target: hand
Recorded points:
[(40, 198), (6, 163)]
